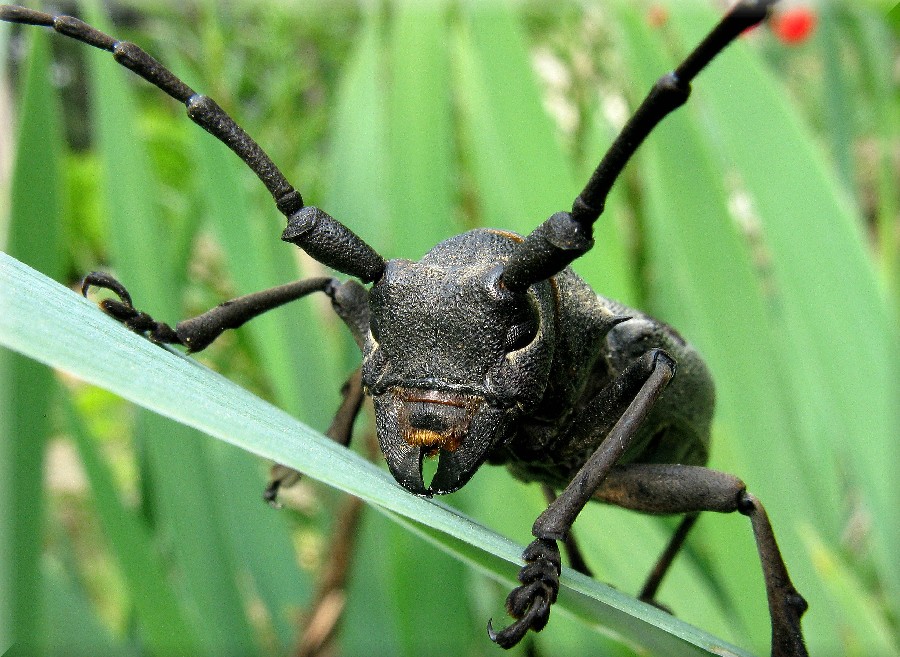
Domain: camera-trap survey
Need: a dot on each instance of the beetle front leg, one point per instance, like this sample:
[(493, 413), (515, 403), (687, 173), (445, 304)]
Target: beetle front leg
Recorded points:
[(570, 545), (653, 370), (199, 332), (123, 310), (636, 389), (530, 603)]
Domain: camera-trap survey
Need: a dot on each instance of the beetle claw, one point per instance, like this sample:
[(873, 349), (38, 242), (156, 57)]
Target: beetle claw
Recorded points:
[(105, 281), (270, 495), (530, 603), (123, 310)]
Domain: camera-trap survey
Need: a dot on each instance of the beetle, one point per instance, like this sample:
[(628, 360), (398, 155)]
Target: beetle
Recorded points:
[(490, 349)]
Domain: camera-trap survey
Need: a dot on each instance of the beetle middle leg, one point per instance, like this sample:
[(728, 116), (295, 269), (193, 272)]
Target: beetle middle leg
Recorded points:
[(654, 579), (340, 431), (656, 575), (673, 489)]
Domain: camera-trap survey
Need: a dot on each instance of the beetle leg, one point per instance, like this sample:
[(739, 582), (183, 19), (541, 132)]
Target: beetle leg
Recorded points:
[(125, 312), (665, 489), (652, 372), (637, 387), (570, 545), (654, 579), (199, 332), (530, 603), (350, 301), (340, 431)]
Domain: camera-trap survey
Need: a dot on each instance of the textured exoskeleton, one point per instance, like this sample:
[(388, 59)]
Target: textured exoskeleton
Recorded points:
[(459, 366)]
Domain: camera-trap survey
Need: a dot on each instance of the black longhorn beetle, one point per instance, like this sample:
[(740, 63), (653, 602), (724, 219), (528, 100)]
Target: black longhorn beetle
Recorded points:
[(491, 350)]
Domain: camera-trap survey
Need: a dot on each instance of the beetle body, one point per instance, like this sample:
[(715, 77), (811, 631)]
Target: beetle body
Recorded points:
[(462, 368), (491, 349)]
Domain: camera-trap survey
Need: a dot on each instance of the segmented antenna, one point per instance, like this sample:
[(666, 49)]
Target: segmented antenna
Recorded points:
[(323, 237), (565, 236)]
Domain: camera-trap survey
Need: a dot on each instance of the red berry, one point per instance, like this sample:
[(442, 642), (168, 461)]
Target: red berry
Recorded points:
[(794, 25)]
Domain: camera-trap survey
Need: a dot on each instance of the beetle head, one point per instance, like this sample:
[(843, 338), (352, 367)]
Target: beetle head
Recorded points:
[(453, 358)]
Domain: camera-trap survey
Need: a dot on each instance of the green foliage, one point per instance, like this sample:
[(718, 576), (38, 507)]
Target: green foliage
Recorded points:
[(761, 220)]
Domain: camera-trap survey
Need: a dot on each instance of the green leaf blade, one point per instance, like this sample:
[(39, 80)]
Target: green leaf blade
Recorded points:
[(102, 352), (26, 391)]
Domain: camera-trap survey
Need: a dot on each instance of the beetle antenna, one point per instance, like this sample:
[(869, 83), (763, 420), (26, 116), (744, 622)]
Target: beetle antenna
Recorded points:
[(323, 237), (565, 236)]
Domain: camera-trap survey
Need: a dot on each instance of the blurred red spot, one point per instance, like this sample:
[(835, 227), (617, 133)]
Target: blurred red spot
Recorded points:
[(657, 16), (793, 25)]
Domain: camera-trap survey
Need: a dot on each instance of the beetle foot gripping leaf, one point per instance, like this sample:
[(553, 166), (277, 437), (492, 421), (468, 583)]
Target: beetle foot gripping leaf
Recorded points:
[(124, 311), (530, 603)]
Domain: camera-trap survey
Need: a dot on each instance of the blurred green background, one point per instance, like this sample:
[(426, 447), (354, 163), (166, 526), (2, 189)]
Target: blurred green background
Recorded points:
[(762, 220)]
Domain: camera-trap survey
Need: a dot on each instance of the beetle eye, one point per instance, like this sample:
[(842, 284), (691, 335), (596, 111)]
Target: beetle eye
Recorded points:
[(521, 335)]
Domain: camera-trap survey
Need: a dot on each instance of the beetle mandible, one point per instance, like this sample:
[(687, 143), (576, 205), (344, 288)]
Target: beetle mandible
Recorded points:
[(490, 349)]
